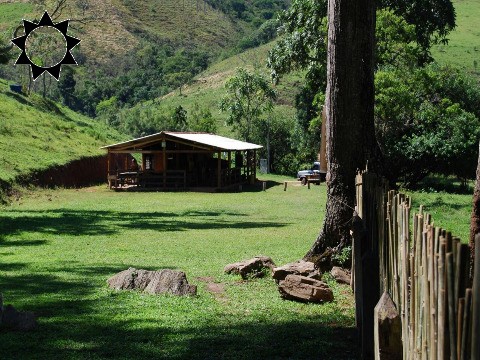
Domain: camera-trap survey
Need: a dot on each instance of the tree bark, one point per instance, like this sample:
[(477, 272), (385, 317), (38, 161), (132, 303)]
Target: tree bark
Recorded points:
[(350, 123), (475, 219)]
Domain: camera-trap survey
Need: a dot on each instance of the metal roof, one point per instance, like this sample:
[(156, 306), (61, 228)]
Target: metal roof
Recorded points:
[(216, 142)]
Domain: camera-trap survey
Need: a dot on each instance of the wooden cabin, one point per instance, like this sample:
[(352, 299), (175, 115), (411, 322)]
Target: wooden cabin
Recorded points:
[(181, 160)]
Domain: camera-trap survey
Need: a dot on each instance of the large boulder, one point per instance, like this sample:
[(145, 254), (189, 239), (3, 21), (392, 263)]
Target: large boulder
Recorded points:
[(153, 282), (251, 268), (342, 276), (304, 289), (302, 268)]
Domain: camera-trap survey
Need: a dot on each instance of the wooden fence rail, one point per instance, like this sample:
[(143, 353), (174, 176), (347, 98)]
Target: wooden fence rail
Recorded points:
[(425, 271)]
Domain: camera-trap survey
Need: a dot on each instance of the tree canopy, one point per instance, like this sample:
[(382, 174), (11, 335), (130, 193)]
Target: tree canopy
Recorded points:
[(249, 95)]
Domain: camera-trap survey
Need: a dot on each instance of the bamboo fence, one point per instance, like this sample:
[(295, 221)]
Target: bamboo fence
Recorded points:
[(425, 270)]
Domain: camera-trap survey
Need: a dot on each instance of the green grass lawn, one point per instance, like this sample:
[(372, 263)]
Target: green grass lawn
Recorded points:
[(58, 248)]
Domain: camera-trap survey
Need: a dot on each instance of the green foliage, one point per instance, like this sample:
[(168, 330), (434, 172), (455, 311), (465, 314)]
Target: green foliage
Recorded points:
[(265, 33), (427, 120), (107, 110), (66, 86), (5, 50), (395, 40), (202, 120), (249, 96), (179, 119), (303, 44), (343, 258), (433, 21), (276, 131)]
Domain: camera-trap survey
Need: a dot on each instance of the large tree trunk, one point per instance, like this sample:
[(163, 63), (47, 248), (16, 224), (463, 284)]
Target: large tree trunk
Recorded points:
[(475, 220), (350, 124)]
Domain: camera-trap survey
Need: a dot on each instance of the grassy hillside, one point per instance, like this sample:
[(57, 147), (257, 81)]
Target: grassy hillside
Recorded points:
[(115, 26), (36, 134), (463, 49), (208, 87)]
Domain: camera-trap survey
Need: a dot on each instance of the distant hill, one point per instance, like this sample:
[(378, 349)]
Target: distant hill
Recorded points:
[(113, 27), (463, 49), (36, 134), (208, 88)]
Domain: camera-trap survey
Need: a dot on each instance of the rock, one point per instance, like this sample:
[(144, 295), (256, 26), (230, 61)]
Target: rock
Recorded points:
[(170, 281), (130, 279), (342, 276), (251, 268), (153, 282), (18, 320), (303, 268), (304, 289)]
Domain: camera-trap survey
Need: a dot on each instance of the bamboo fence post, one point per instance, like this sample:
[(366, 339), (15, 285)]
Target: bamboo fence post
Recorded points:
[(441, 302), (460, 310), (432, 280), (426, 298), (476, 302), (451, 306), (388, 330), (461, 269), (467, 326)]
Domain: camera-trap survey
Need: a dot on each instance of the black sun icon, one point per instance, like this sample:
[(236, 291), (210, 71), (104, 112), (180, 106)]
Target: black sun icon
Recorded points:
[(46, 46)]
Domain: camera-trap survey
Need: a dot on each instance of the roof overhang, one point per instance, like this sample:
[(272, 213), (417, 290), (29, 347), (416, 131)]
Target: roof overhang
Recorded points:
[(195, 139)]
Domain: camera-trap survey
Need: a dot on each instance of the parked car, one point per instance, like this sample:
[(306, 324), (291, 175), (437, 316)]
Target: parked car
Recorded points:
[(314, 173)]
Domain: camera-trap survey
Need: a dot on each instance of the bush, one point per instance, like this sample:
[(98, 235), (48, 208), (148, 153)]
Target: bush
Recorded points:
[(427, 121)]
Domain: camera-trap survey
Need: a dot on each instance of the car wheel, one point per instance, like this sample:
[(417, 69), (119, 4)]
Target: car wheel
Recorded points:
[(303, 181)]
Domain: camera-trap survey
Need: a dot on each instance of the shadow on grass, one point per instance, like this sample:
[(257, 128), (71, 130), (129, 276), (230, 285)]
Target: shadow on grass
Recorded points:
[(258, 186), (73, 324), (76, 222), (80, 335), (440, 183), (18, 98)]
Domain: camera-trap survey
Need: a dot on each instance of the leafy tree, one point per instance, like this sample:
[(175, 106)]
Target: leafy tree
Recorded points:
[(427, 120), (66, 86), (433, 21), (304, 26), (107, 110), (249, 96), (179, 119), (5, 53), (201, 120), (277, 130)]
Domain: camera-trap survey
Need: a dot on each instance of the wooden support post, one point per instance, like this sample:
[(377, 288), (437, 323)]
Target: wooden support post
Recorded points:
[(164, 156), (254, 166), (285, 184), (476, 302), (219, 170), (387, 330), (230, 180)]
